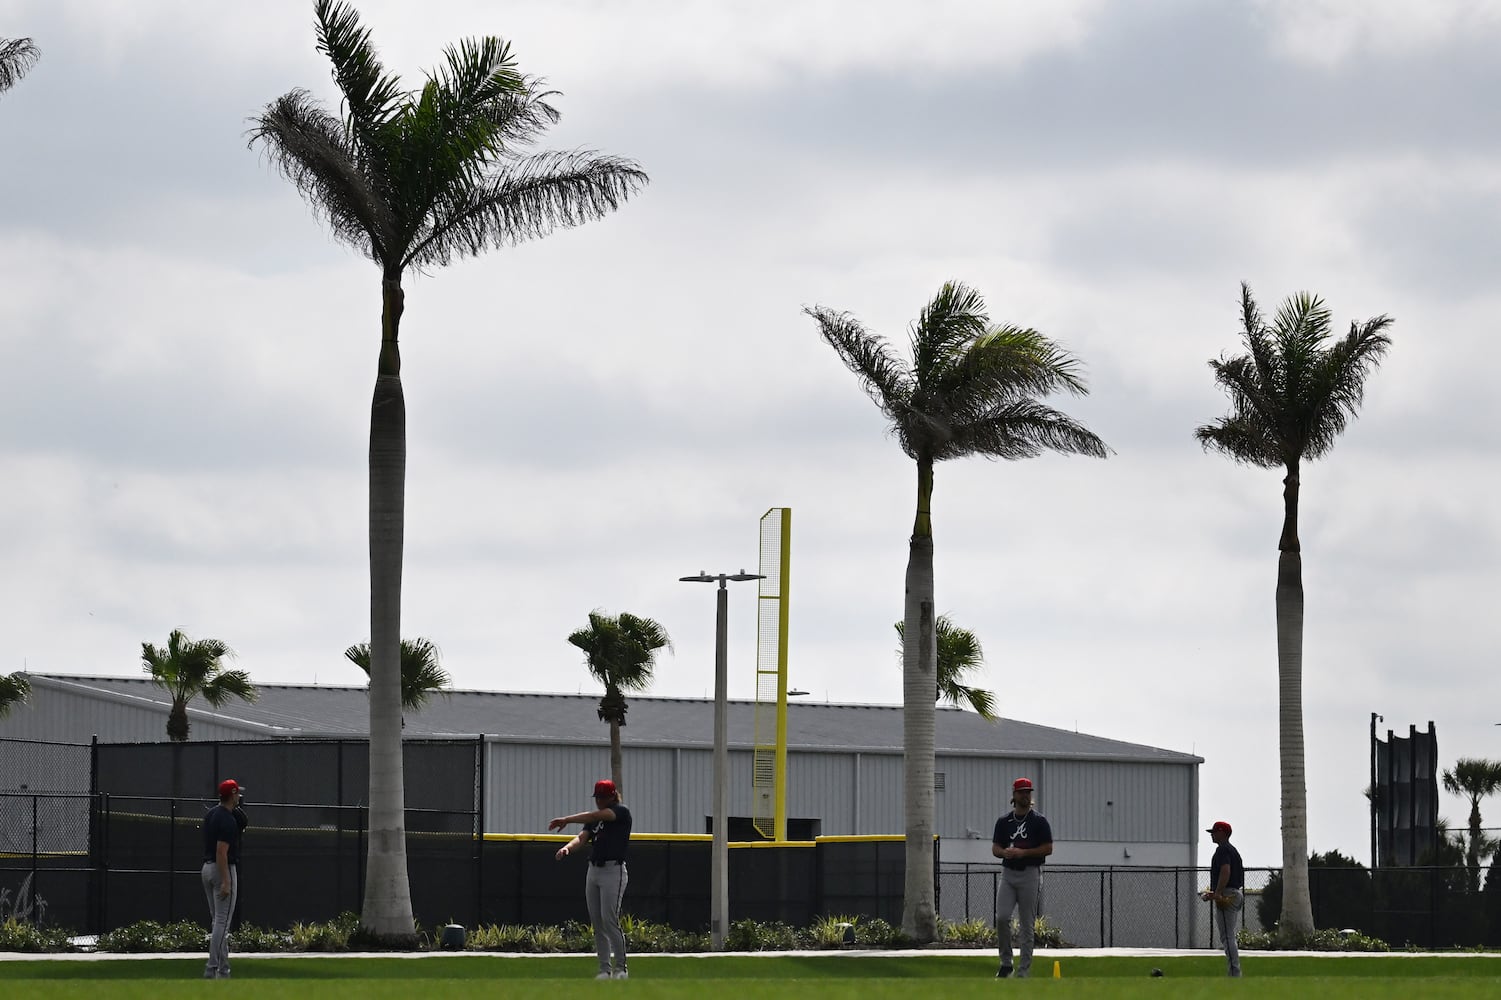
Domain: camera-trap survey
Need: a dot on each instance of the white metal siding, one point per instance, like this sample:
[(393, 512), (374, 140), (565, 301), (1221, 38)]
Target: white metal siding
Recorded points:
[(64, 716)]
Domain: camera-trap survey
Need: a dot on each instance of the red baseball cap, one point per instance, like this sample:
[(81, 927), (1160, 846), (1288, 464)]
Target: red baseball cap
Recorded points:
[(228, 787), (1220, 826), (605, 788), (1022, 785)]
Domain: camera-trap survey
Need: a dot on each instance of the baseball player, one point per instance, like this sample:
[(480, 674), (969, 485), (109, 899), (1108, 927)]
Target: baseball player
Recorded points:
[(221, 878), (608, 827), (1022, 840), (1227, 881)]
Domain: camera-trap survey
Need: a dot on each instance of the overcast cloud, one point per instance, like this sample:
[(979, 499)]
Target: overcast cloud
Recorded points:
[(189, 357)]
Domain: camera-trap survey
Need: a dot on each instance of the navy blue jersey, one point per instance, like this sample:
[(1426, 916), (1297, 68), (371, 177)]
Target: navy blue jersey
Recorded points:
[(219, 825), (1031, 830), (610, 837), (1227, 855)]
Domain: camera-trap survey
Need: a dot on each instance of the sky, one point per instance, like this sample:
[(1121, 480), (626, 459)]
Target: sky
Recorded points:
[(189, 357)]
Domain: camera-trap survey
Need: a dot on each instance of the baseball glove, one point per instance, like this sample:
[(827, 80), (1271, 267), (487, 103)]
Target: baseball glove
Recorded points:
[(1225, 901)]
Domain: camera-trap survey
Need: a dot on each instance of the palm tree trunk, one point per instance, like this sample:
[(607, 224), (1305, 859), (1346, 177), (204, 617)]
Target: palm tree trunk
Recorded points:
[(1474, 845), (177, 721), (615, 758), (387, 910), (1296, 922), (919, 677)]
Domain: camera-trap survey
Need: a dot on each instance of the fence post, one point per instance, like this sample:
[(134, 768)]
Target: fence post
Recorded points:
[(35, 917), (171, 860), (1102, 908)]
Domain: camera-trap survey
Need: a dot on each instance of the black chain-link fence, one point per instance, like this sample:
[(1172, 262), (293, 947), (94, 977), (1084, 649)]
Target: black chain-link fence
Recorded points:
[(1429, 907)]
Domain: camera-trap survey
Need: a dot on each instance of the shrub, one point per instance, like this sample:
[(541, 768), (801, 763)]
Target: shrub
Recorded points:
[(23, 935), (250, 938), (548, 939), (877, 933), (831, 931), (335, 935), (1324, 939), (748, 935), (975, 933), (150, 936), (499, 937)]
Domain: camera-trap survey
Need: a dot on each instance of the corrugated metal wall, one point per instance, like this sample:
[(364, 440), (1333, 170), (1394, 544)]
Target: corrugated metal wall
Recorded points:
[(670, 791), (66, 716)]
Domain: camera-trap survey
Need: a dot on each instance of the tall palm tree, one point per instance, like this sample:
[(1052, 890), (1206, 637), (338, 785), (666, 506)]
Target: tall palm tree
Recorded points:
[(1291, 394), (1474, 778), (188, 668), (14, 690), (970, 389), (422, 673), (621, 653), (17, 55), (414, 179), (959, 654)]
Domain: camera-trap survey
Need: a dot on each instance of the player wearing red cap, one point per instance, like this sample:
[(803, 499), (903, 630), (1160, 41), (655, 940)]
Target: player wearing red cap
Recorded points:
[(608, 827), (1227, 879), (220, 874), (1023, 840)]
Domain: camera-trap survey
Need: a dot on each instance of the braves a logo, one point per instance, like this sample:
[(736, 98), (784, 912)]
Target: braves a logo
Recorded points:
[(1020, 833)]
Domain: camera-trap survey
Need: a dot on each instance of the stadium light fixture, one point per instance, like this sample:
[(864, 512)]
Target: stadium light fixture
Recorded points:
[(719, 877)]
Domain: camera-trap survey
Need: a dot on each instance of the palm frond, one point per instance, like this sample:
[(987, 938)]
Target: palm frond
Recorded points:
[(422, 675), (17, 56), (371, 95), (229, 684), (14, 690), (527, 199), (982, 701), (1242, 440), (952, 319), (310, 148), (1023, 428), (1337, 383), (1291, 396), (882, 375)]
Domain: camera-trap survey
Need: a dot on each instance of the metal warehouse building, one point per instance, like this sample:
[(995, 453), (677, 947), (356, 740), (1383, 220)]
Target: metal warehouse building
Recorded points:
[(1110, 803)]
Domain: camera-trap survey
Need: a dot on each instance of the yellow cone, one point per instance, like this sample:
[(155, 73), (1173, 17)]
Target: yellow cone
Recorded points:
[(1057, 970)]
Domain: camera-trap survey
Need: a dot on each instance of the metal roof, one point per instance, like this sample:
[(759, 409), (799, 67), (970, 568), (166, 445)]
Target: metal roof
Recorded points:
[(312, 710)]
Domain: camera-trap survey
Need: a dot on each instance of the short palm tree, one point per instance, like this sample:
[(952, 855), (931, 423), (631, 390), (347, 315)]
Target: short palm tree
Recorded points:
[(621, 653), (14, 690), (1291, 395), (189, 668), (413, 180), (959, 654), (970, 389), (1474, 778), (17, 55), (422, 673)]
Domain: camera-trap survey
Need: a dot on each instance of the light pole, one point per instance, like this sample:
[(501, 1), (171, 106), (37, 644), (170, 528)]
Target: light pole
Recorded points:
[(719, 854)]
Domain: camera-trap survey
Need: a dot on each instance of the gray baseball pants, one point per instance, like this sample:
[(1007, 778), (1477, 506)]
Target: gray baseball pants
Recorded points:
[(219, 911), (1019, 890), (1227, 922), (604, 888)]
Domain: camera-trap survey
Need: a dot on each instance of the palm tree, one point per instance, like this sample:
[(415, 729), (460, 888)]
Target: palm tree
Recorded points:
[(14, 690), (17, 55), (414, 179), (187, 668), (422, 673), (1474, 778), (1291, 394), (621, 653), (959, 653), (971, 389)]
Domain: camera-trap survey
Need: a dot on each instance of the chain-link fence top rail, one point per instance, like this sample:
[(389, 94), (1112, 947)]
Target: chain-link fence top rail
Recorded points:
[(37, 766), (441, 776)]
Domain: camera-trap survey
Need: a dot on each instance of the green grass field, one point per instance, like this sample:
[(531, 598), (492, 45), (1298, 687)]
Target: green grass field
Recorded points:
[(762, 978)]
